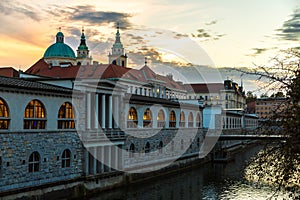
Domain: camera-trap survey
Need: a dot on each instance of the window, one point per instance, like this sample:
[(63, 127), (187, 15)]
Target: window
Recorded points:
[(66, 158), (161, 119), (4, 115), (182, 119), (198, 120), (66, 117), (147, 118), (172, 120), (191, 120), (160, 147), (132, 119), (34, 162), (147, 147), (34, 116), (131, 151)]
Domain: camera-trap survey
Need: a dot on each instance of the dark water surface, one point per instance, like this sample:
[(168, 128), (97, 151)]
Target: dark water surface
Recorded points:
[(210, 181)]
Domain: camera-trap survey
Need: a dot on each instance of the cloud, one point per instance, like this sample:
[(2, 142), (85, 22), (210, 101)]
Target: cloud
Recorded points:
[(211, 23), (258, 51), (205, 34), (89, 14), (291, 28), (15, 8)]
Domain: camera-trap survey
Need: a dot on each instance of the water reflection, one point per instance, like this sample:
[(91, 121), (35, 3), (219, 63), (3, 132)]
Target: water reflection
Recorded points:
[(210, 181)]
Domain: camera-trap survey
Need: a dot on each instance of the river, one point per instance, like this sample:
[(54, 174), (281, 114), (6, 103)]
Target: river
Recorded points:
[(211, 181)]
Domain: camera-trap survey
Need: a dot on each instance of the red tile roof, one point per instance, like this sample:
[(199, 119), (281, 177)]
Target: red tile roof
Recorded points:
[(104, 71), (9, 72), (205, 87)]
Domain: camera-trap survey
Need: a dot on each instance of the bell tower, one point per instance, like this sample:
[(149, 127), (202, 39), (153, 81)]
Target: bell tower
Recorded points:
[(83, 57), (117, 55)]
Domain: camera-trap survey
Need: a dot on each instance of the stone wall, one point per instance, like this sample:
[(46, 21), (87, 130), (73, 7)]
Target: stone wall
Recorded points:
[(16, 149)]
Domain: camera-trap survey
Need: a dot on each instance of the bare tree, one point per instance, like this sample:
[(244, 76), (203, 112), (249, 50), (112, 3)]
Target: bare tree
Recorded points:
[(279, 162)]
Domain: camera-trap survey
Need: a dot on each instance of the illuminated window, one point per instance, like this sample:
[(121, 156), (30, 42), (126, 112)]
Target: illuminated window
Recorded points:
[(172, 119), (161, 119), (34, 162), (147, 118), (132, 119), (66, 116), (34, 116), (66, 158), (182, 119), (4, 115), (191, 120)]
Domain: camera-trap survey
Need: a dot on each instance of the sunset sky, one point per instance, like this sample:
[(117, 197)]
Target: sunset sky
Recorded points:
[(233, 33)]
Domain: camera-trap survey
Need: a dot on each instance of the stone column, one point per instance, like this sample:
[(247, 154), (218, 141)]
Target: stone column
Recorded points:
[(102, 159), (116, 111), (103, 111), (94, 160), (96, 121), (86, 162), (110, 111), (88, 111)]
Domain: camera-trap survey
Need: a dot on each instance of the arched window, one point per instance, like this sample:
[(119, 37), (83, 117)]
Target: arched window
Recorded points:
[(147, 119), (161, 119), (4, 115), (172, 119), (35, 115), (34, 162), (66, 158), (160, 147), (182, 119), (132, 119), (191, 120), (66, 116), (198, 120), (147, 147), (131, 151)]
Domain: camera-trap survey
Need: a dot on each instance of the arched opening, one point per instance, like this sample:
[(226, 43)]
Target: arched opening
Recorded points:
[(4, 115), (147, 118), (66, 116), (34, 162), (161, 119), (131, 151), (190, 120), (66, 158), (35, 115), (132, 119), (147, 147), (198, 120), (182, 119), (172, 119)]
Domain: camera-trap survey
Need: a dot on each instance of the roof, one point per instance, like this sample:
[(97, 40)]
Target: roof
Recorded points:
[(20, 83), (103, 71), (9, 72), (205, 87)]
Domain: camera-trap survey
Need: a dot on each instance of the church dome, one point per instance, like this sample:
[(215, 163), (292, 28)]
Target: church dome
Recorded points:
[(59, 49)]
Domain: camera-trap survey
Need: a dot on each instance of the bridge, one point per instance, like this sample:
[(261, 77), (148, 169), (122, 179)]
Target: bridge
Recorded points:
[(251, 137)]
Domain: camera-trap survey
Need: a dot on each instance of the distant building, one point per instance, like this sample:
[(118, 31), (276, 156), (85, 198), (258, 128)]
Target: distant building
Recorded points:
[(267, 106), (229, 94)]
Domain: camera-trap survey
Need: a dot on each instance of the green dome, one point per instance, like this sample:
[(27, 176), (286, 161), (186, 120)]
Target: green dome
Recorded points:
[(59, 49)]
